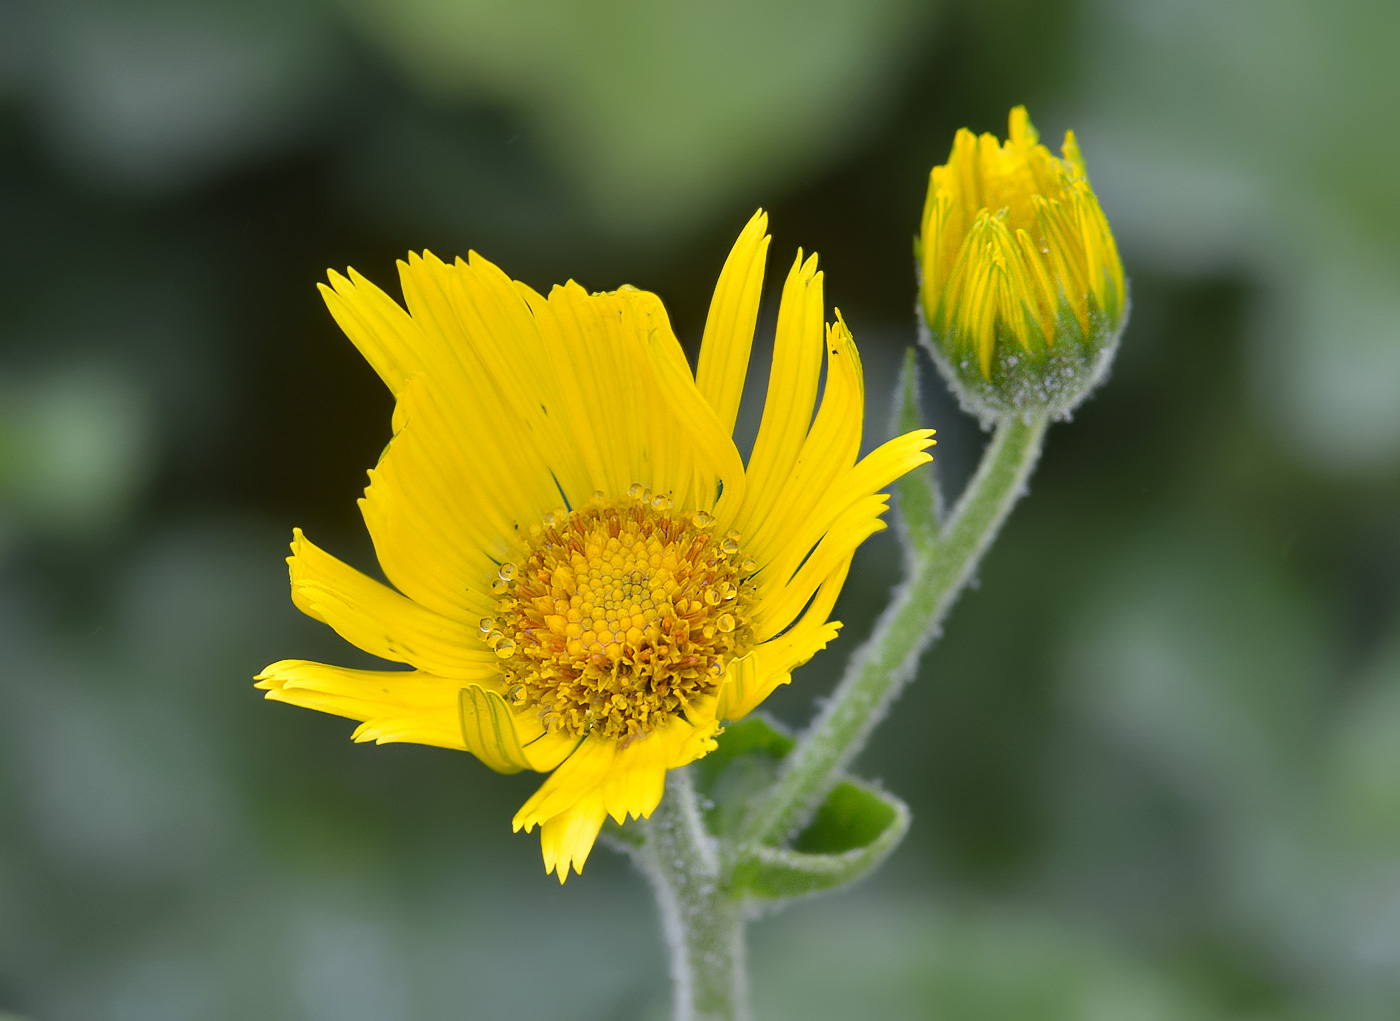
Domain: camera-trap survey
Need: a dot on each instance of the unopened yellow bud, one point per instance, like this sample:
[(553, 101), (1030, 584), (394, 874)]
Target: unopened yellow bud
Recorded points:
[(1021, 287)]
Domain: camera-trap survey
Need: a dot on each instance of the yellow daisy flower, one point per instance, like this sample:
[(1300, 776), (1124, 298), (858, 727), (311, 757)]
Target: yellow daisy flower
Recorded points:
[(586, 577), (1022, 288)]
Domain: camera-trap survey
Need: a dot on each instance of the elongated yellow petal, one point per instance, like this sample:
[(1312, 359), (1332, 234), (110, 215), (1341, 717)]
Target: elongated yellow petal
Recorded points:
[(567, 838), (728, 338), (637, 780), (829, 450), (792, 391), (601, 344), (785, 598), (577, 777), (871, 474), (383, 332), (395, 705), (379, 620), (753, 678), (714, 447), (514, 361)]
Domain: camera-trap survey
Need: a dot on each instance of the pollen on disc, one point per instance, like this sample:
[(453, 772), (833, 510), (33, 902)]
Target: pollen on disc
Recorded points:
[(617, 616)]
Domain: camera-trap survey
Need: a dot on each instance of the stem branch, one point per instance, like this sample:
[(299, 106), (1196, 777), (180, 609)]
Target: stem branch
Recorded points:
[(880, 669)]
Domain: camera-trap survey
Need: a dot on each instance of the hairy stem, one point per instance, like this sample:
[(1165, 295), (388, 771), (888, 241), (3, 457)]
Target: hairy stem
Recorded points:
[(704, 925)]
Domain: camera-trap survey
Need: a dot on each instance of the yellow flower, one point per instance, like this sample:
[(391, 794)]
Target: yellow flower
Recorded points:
[(586, 577), (1021, 285)]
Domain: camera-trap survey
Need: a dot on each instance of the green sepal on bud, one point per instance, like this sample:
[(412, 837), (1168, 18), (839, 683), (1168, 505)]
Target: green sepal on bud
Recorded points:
[(1026, 381)]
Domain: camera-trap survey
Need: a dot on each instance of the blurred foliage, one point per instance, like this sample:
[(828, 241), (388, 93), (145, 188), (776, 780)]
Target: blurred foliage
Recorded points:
[(1155, 764), (1256, 129), (663, 114)]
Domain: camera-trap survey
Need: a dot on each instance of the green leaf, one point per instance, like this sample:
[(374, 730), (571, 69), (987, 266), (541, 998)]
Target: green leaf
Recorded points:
[(854, 830), (919, 507), (744, 763)]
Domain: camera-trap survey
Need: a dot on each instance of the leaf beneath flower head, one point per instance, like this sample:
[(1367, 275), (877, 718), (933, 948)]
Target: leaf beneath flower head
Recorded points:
[(745, 762), (854, 831)]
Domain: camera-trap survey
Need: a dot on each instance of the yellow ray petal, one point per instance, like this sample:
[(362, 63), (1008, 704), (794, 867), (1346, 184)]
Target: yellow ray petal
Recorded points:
[(494, 311), (441, 516), (378, 620), (755, 677), (635, 783), (389, 340), (715, 453), (671, 439), (598, 344), (871, 473), (581, 774), (545, 752), (728, 337), (395, 705), (829, 450), (792, 391), (783, 600), (567, 838)]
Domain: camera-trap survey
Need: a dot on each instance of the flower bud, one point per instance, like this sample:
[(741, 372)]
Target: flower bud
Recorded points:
[(1021, 287)]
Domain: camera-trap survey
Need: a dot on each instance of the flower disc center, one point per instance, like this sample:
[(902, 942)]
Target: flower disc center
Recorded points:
[(619, 616)]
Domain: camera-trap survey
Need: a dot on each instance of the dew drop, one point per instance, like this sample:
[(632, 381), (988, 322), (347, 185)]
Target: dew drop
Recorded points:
[(725, 623), (703, 519), (494, 639), (635, 490), (712, 597), (505, 648), (508, 570), (516, 694), (716, 669), (729, 546), (661, 502), (487, 623), (749, 565), (499, 586)]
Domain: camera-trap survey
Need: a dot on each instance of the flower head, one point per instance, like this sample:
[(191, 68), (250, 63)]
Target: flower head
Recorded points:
[(1021, 286), (587, 579)]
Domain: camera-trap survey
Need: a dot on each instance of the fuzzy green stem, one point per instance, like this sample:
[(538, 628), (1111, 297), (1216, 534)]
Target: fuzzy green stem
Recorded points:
[(704, 925), (880, 669)]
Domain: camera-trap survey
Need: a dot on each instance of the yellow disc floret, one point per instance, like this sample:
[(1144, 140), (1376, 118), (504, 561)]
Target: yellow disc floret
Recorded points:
[(619, 616)]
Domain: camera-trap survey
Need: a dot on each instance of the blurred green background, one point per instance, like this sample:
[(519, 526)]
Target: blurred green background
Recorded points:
[(1155, 764)]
